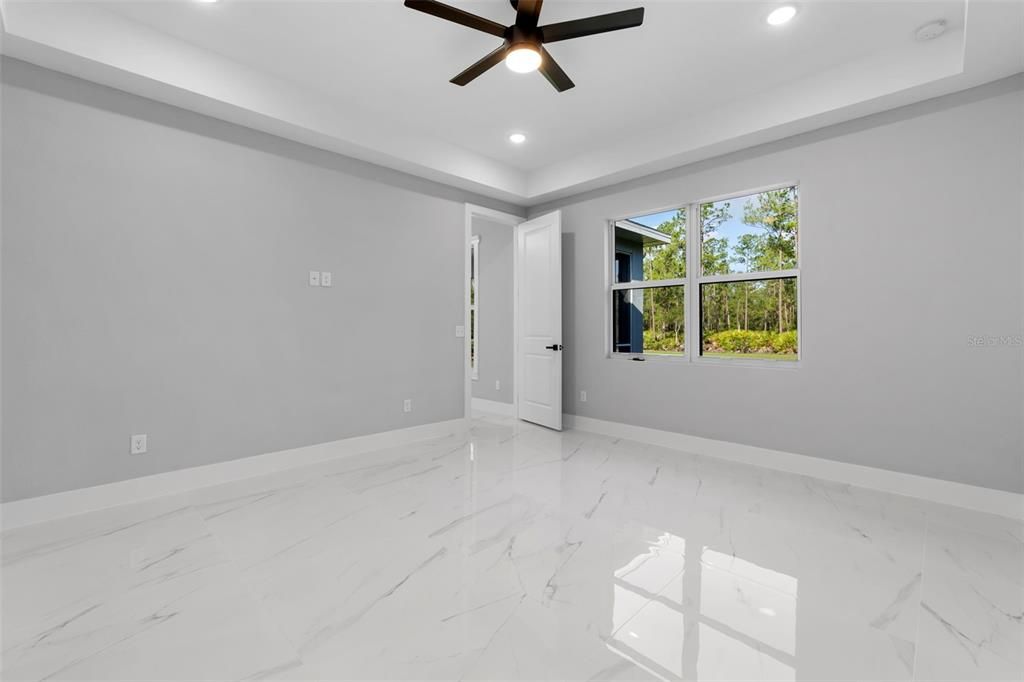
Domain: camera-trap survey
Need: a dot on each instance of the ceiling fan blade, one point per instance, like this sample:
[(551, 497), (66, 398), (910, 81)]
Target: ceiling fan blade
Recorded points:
[(481, 66), (553, 72), (577, 28), (528, 13), (443, 11)]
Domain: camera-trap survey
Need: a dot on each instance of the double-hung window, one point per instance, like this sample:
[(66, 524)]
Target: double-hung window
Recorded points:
[(731, 292)]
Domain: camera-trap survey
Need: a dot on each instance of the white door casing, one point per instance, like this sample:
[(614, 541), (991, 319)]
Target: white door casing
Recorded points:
[(539, 320)]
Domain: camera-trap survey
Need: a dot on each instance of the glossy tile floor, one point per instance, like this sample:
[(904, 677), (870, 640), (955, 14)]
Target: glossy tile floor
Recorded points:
[(518, 553)]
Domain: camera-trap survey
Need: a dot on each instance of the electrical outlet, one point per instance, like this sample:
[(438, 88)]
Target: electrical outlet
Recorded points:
[(406, 405), (138, 444), (460, 331), (325, 279), (583, 396), (497, 384), (314, 278)]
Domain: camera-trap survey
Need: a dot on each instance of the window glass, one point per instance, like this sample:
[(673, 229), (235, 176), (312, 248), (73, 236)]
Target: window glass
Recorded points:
[(755, 233), (651, 247), (751, 318), (649, 320)]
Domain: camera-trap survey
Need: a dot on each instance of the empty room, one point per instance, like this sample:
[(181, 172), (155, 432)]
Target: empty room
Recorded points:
[(512, 340)]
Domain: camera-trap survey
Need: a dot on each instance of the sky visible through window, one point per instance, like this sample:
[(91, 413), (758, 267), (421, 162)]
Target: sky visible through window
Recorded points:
[(731, 229)]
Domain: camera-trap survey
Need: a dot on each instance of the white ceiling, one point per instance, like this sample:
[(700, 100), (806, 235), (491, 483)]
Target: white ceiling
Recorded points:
[(699, 77), (390, 60)]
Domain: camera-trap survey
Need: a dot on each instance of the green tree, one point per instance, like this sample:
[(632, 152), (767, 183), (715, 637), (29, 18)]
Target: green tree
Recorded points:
[(714, 260), (664, 309), (775, 213), (748, 248), (668, 261)]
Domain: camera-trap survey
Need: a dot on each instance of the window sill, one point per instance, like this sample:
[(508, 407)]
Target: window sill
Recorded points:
[(783, 365), (631, 357)]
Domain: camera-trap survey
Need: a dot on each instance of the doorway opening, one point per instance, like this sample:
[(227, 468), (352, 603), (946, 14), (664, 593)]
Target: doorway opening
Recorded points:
[(490, 387)]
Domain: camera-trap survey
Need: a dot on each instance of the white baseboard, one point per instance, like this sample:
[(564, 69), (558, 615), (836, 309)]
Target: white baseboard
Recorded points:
[(48, 507), (493, 407), (986, 500)]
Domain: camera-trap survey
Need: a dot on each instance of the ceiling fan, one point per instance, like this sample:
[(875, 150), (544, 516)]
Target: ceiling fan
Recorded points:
[(523, 50)]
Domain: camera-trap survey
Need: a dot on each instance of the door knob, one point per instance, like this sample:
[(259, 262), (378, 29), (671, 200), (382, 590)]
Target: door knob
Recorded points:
[(555, 346)]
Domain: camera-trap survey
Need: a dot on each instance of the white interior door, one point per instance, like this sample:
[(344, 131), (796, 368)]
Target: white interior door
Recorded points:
[(539, 320)]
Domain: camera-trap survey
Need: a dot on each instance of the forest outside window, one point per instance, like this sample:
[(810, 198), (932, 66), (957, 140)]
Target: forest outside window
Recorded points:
[(733, 293)]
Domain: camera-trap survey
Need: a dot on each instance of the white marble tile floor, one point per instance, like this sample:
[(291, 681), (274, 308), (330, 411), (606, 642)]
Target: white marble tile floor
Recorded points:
[(515, 552)]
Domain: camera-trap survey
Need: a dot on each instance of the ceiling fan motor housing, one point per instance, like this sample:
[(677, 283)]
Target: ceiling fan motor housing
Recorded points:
[(517, 36)]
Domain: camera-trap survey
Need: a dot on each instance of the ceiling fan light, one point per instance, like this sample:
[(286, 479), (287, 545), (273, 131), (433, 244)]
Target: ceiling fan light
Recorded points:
[(523, 60)]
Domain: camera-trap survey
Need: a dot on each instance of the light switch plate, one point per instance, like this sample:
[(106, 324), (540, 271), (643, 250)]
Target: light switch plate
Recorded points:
[(325, 279), (460, 331), (314, 278)]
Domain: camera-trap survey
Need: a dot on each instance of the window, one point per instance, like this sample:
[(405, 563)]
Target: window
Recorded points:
[(474, 299), (649, 284), (733, 293)]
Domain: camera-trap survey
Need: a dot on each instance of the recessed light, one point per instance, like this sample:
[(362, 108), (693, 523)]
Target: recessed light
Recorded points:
[(781, 15), (206, 2), (523, 59), (517, 138)]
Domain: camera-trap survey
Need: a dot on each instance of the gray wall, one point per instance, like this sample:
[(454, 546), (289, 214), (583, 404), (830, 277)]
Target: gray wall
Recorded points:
[(495, 307), (911, 243), (155, 281)]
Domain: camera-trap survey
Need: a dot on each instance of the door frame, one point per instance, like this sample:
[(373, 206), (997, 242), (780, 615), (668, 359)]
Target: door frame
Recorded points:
[(512, 221)]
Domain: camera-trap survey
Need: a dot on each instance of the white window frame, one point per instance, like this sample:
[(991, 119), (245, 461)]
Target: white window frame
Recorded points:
[(692, 285), (474, 307)]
